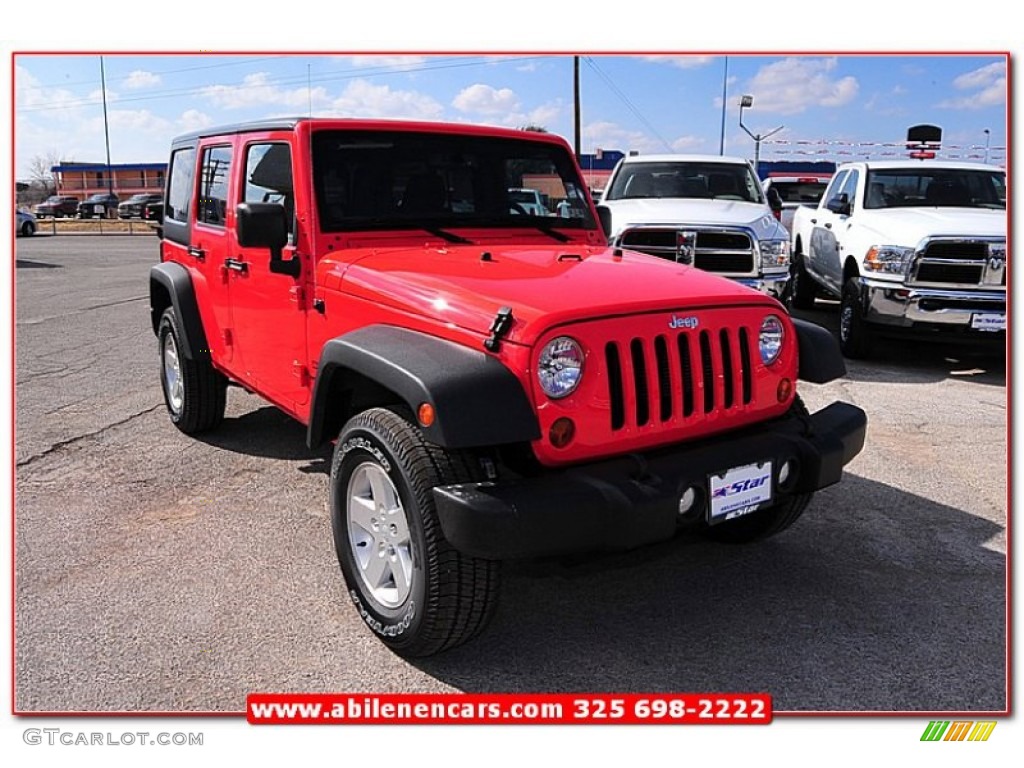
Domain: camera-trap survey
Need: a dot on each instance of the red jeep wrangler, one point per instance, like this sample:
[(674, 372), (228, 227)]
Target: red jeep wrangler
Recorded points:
[(497, 383)]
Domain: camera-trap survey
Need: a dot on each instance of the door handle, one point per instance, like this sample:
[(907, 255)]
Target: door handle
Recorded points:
[(197, 253), (236, 265), (814, 221), (828, 225)]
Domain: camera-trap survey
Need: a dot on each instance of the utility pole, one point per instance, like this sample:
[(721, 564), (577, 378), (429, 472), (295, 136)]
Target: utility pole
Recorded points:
[(106, 133), (576, 103), (725, 81)]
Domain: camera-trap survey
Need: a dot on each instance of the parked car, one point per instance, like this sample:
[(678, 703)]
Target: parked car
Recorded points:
[(704, 210), (528, 201), (25, 223), (496, 385), (795, 191), (57, 206), (100, 205), (910, 248), (135, 206)]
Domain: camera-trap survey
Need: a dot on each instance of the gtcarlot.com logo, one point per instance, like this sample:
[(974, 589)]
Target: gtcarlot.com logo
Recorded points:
[(958, 730), (58, 736)]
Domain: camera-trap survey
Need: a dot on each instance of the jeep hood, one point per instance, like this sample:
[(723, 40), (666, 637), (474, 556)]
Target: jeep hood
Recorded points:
[(908, 226), (545, 286), (694, 211)]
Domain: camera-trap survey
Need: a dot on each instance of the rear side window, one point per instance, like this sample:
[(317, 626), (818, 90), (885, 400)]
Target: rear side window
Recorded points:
[(213, 186), (179, 195)]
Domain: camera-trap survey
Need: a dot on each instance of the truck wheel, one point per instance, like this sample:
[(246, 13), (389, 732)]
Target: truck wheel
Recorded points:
[(854, 334), (194, 391), (801, 285), (418, 594)]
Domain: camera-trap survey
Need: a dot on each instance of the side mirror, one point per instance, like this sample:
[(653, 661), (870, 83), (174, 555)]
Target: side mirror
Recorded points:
[(775, 202), (604, 215), (840, 205), (265, 225)]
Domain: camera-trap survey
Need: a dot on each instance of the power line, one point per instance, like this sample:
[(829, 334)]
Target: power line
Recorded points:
[(625, 100), (349, 74)]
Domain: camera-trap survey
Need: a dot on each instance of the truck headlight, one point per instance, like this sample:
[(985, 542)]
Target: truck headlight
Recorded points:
[(889, 259), (560, 367), (769, 340), (774, 254)]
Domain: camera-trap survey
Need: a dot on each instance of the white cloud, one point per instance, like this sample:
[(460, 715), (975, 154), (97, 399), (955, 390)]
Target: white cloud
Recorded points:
[(362, 98), (792, 85), (193, 120), (486, 100), (988, 84), (257, 90), (140, 78), (682, 62)]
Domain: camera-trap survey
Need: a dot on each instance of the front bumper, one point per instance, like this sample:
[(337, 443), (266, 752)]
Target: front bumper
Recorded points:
[(897, 307), (771, 285), (634, 500)]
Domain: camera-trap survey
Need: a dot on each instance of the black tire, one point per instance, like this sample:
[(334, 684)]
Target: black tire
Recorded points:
[(435, 598), (28, 229), (802, 289), (854, 333), (768, 521), (195, 393)]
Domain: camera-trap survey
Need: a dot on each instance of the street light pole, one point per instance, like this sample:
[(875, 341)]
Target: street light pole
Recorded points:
[(988, 138), (748, 101)]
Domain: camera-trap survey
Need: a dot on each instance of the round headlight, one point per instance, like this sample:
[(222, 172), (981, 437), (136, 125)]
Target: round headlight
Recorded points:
[(560, 367), (769, 340)]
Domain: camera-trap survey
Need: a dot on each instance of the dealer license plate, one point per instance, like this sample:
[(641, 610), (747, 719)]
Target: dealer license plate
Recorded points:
[(739, 491), (988, 321)]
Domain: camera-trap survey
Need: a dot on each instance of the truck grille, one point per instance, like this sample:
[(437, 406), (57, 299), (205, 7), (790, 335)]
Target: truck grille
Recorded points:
[(949, 262), (723, 251), (675, 377)]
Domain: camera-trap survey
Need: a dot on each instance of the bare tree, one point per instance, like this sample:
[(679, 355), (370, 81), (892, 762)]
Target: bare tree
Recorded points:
[(40, 175)]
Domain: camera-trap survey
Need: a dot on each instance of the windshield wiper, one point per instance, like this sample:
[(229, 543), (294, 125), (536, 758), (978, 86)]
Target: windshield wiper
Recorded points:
[(448, 237), (547, 229)]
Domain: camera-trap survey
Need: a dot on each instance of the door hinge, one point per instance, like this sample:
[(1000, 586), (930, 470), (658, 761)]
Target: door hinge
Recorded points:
[(229, 338), (302, 372), (298, 295)]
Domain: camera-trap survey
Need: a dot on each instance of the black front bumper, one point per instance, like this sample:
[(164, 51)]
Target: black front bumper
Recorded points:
[(633, 500)]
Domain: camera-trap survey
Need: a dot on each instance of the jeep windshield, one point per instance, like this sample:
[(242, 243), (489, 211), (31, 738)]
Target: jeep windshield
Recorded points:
[(678, 179), (386, 180), (935, 187)]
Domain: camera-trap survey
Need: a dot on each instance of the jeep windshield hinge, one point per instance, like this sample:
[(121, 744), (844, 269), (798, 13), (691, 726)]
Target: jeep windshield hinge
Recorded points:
[(500, 326)]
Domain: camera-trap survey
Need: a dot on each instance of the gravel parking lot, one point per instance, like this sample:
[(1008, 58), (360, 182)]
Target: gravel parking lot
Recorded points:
[(155, 572)]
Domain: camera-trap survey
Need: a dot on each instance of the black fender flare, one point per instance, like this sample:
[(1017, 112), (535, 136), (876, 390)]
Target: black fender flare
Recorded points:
[(176, 281), (477, 401), (821, 360)]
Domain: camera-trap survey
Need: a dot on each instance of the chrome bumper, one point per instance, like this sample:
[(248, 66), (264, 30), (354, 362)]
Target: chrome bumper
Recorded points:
[(772, 285), (895, 305)]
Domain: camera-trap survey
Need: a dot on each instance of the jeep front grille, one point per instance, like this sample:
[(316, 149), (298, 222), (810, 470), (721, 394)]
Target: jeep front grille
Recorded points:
[(952, 262), (678, 376), (723, 251)]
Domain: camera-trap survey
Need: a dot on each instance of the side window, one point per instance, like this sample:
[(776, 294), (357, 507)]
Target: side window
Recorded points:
[(849, 188), (833, 189), (179, 196), (268, 177), (213, 186)]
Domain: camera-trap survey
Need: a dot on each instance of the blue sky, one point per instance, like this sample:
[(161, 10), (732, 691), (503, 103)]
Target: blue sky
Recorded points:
[(845, 105)]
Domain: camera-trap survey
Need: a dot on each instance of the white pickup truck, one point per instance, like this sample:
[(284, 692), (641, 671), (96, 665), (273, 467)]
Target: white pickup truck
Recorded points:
[(705, 210), (910, 248)]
